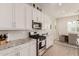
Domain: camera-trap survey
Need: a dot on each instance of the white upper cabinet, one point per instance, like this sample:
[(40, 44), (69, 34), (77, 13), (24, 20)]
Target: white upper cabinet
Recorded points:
[(43, 21), (35, 18), (39, 15), (36, 15), (47, 22), (5, 15), (19, 16), (42, 18), (12, 16), (29, 17)]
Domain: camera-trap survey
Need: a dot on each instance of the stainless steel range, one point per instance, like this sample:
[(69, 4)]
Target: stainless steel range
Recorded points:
[(40, 42), (41, 45)]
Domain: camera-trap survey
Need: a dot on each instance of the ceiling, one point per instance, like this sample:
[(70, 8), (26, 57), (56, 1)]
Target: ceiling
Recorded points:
[(60, 9)]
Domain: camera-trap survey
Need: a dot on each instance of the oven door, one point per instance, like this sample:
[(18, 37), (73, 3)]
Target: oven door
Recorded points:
[(42, 44), (42, 47)]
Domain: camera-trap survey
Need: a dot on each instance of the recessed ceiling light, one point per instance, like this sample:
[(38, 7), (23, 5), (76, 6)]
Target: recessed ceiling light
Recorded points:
[(60, 4)]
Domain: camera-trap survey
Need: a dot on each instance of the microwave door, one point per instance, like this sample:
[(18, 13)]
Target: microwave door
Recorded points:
[(36, 25)]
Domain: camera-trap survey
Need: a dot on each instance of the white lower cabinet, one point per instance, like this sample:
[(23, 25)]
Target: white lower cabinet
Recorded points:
[(49, 41), (27, 49), (13, 54), (14, 51), (33, 48)]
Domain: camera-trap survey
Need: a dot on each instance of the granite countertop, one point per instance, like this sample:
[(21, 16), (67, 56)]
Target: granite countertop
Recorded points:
[(66, 44), (14, 43)]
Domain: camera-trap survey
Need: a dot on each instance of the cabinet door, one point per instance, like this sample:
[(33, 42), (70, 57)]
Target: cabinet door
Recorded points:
[(29, 17), (35, 17), (48, 22), (33, 48), (5, 15), (13, 54), (13, 51), (43, 21), (25, 50), (28, 49), (19, 15), (39, 15), (49, 41)]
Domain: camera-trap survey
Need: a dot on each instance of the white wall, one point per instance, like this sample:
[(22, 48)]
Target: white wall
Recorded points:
[(62, 24)]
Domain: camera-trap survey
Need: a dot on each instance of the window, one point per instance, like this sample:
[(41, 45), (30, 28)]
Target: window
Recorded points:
[(72, 26)]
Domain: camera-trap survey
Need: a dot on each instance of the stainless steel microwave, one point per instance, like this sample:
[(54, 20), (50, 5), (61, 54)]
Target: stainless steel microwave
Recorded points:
[(36, 25)]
